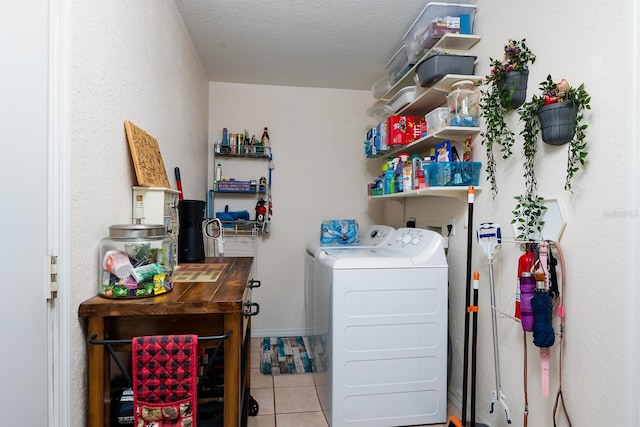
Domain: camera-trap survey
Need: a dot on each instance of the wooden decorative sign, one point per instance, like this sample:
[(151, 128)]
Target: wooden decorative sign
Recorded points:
[(146, 157)]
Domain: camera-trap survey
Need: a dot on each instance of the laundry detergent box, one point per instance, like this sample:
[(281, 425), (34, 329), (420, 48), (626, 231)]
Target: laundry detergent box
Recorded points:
[(381, 138), (403, 130)]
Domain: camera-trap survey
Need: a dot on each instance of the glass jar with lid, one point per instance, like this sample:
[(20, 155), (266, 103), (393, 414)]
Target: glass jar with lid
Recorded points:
[(136, 261), (464, 104)]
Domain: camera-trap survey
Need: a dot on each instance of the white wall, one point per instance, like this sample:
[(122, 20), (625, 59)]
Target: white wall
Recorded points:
[(133, 60), (584, 45), (316, 139), (130, 60)]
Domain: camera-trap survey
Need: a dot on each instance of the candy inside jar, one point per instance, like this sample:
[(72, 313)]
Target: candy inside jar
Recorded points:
[(136, 261), (464, 104)]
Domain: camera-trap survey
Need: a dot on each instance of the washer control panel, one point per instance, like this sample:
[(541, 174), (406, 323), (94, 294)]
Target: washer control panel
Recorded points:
[(414, 241), (376, 235)]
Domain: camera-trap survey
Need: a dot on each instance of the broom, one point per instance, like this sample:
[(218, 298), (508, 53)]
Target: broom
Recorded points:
[(455, 422)]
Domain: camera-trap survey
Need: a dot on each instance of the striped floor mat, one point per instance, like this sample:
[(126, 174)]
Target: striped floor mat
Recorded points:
[(288, 355)]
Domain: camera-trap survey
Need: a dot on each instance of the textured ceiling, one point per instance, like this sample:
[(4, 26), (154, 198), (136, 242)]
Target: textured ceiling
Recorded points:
[(314, 43)]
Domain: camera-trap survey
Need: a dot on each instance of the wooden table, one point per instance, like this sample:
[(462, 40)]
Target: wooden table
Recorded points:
[(202, 308)]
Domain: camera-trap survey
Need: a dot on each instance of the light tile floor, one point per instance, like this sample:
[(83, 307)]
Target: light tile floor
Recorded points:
[(286, 400)]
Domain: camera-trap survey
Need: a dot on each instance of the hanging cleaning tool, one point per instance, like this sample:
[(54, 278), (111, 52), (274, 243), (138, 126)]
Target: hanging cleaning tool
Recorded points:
[(266, 227), (179, 183), (473, 309), (465, 371), (490, 239), (453, 421)]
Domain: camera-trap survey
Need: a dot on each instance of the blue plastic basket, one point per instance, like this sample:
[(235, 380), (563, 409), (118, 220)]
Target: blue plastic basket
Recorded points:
[(449, 174)]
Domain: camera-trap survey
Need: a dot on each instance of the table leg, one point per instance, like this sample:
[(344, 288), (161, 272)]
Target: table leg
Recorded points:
[(96, 375), (232, 355)]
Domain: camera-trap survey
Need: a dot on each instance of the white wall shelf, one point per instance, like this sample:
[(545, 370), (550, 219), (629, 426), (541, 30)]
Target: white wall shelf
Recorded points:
[(460, 193), (422, 145), (456, 44), (434, 96)]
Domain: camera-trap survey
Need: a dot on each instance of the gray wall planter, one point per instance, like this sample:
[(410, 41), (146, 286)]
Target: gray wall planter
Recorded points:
[(516, 83), (557, 122)]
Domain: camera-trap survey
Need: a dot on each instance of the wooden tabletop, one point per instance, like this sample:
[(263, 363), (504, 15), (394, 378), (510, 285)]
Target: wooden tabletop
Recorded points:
[(224, 295)]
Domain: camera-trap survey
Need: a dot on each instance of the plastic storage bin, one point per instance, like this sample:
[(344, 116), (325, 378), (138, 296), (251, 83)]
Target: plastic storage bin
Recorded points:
[(402, 98), (234, 186), (437, 66), (380, 87), (464, 104), (436, 119), (436, 20), (398, 65), (136, 261), (454, 173)]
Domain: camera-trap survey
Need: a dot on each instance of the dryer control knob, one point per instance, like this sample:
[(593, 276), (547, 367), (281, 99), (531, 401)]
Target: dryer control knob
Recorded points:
[(406, 239)]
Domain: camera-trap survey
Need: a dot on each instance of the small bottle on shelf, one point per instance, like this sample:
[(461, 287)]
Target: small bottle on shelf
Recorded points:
[(263, 145)]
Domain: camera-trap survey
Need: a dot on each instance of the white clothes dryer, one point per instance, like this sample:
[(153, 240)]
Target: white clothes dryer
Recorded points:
[(382, 360)]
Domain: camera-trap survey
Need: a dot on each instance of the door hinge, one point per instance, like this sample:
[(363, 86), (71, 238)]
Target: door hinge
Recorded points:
[(52, 280)]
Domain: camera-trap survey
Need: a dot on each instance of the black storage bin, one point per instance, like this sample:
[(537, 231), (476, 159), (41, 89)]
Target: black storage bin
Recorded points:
[(437, 66)]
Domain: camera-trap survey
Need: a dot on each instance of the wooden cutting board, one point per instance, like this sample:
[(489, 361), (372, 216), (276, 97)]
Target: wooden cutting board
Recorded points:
[(146, 157)]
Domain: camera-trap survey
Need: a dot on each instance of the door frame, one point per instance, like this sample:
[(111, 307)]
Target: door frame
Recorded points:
[(59, 206), (631, 348)]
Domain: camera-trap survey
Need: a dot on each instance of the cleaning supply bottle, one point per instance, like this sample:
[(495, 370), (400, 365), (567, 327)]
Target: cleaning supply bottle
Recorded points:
[(417, 173), (393, 187), (400, 171), (388, 177), (525, 263), (225, 136), (407, 175), (397, 177), (527, 290), (426, 165)]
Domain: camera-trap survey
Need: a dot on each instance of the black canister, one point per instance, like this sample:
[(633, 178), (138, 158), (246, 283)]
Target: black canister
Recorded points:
[(190, 239)]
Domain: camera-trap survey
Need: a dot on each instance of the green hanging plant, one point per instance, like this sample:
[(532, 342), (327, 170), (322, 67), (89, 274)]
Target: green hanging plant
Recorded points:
[(529, 208), (504, 92), (527, 214)]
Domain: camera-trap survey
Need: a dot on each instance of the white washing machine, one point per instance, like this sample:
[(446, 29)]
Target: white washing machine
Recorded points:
[(375, 235), (384, 354)]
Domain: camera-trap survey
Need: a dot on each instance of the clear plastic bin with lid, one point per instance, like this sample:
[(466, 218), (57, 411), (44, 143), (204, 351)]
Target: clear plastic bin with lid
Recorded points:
[(463, 103)]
